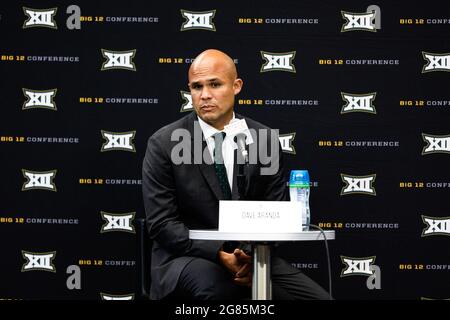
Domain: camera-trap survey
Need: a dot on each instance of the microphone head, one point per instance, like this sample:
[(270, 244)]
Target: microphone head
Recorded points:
[(240, 137), (239, 131), (240, 141)]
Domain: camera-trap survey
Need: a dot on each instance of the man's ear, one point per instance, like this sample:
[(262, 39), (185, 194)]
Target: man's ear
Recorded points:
[(237, 85)]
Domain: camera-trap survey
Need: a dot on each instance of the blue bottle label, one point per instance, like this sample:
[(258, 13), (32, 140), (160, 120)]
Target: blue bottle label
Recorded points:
[(299, 178)]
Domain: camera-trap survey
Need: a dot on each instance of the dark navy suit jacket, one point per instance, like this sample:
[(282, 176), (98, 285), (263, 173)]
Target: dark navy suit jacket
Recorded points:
[(179, 197)]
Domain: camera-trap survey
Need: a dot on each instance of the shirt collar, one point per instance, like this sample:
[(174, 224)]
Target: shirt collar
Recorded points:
[(208, 130)]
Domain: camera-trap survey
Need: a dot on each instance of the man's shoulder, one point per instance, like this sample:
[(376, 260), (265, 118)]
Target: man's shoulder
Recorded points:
[(253, 123), (182, 123)]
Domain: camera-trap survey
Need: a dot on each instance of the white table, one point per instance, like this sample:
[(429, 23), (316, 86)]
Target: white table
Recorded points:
[(261, 285)]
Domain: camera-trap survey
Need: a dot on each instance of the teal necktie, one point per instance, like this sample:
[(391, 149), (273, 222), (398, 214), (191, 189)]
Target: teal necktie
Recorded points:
[(219, 166)]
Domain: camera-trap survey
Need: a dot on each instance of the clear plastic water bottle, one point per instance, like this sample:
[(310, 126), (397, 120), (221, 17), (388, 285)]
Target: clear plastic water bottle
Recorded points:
[(299, 191)]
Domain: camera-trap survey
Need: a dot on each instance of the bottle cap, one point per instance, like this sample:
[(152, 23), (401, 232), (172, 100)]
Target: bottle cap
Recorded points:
[(299, 178)]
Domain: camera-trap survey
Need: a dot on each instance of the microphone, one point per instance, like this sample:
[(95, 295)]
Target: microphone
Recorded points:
[(240, 137), (238, 130)]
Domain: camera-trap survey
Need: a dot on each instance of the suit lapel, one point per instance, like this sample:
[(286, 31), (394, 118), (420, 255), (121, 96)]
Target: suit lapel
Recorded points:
[(207, 170)]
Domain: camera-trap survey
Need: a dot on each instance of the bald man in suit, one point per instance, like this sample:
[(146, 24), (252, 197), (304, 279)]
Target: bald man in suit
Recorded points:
[(183, 196)]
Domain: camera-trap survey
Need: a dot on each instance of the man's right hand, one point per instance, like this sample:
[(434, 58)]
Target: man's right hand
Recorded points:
[(239, 264)]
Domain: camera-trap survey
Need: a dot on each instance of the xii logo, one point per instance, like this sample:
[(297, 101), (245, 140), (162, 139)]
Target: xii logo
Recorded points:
[(187, 103), (436, 226), (45, 17), (118, 141), (39, 180), (198, 20), (118, 222), (40, 18), (358, 184), (358, 102), (436, 144), (278, 61), (106, 296), (38, 261), (362, 267), (118, 60), (286, 141), (436, 62), (366, 21), (39, 99)]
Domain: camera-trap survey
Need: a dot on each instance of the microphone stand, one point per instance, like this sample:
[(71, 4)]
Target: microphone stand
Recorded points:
[(241, 173), (259, 251)]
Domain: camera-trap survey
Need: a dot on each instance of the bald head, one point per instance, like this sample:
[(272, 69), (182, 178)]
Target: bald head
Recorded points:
[(213, 83), (216, 60)]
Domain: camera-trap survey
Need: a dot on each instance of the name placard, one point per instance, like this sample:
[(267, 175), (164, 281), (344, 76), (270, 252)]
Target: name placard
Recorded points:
[(260, 216)]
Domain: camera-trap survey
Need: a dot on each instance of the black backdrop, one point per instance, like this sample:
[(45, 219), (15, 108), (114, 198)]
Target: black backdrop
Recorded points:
[(305, 105)]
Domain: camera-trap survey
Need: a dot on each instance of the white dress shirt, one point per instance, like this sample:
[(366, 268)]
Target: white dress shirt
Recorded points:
[(227, 148)]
